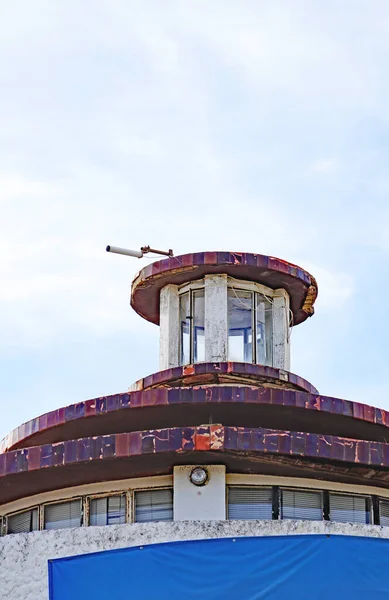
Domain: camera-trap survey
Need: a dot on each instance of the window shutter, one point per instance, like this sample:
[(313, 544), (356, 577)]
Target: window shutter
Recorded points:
[(349, 509), (300, 504), (249, 503), (154, 505), (384, 512), (23, 522), (63, 515), (110, 510)]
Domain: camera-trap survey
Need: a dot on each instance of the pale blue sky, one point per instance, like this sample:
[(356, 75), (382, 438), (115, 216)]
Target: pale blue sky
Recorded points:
[(198, 125)]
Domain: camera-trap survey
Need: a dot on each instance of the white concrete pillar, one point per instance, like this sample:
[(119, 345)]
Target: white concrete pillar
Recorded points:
[(216, 326), (169, 321), (281, 345), (192, 502)]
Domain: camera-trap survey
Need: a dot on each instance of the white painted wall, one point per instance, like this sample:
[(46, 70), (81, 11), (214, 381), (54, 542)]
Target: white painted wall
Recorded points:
[(140, 483), (206, 502), (169, 328), (23, 557), (281, 341), (216, 316)]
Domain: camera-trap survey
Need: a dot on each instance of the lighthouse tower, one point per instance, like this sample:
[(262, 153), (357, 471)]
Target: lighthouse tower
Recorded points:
[(222, 475)]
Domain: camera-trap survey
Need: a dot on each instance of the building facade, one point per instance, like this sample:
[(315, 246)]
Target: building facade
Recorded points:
[(223, 442)]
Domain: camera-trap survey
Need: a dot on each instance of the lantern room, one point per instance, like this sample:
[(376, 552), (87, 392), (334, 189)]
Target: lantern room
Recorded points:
[(224, 307)]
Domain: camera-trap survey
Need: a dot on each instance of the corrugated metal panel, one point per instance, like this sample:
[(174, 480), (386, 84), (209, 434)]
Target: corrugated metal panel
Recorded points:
[(154, 505), (349, 509), (249, 503), (63, 515), (23, 522), (110, 510), (300, 504), (384, 512)]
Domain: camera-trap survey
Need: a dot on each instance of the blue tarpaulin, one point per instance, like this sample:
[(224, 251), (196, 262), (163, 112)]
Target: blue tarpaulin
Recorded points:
[(296, 567)]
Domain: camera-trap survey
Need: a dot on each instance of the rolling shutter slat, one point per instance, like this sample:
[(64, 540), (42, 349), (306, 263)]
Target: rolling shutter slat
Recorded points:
[(23, 522), (249, 503), (63, 515), (348, 509), (299, 504), (154, 505), (384, 512)]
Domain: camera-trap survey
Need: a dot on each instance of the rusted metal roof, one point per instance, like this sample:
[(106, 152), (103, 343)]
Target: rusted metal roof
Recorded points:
[(243, 449), (267, 270)]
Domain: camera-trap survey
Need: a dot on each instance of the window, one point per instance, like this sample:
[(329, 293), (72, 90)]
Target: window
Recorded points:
[(240, 326), (154, 505), (350, 509), (249, 503), (384, 512), (299, 504), (110, 510), (23, 522), (192, 327), (263, 331), (249, 327), (63, 515)]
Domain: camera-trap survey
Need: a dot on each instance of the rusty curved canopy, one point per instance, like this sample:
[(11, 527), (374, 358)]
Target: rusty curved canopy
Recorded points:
[(234, 405), (142, 453), (267, 270)]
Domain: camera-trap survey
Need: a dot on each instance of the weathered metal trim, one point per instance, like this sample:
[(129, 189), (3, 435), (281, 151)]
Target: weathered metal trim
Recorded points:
[(265, 270), (246, 442), (216, 372), (175, 397)]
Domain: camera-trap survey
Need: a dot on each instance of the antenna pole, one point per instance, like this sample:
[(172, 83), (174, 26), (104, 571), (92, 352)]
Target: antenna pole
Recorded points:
[(138, 253), (146, 249)]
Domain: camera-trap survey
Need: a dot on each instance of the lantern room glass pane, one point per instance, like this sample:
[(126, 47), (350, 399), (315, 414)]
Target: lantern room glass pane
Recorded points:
[(185, 328), (198, 326), (264, 330), (240, 326)]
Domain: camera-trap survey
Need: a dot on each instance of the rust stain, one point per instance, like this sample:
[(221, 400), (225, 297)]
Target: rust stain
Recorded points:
[(310, 298), (237, 258), (188, 441), (309, 301), (189, 370), (217, 437), (208, 394), (198, 379)]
